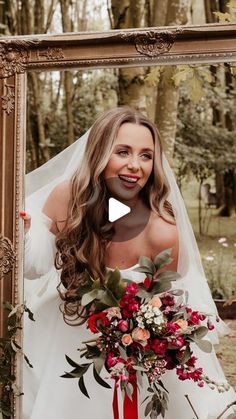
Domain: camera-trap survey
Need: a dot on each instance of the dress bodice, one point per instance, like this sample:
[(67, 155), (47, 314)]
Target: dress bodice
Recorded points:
[(129, 273)]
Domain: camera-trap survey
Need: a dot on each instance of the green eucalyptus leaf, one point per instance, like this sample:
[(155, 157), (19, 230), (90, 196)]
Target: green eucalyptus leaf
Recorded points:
[(91, 296), (168, 276), (148, 408), (99, 363), (163, 258), (146, 262), (139, 368), (145, 270), (71, 362), (204, 345), (109, 299), (99, 379), (143, 294), (160, 287), (201, 332), (82, 387), (186, 356), (129, 389)]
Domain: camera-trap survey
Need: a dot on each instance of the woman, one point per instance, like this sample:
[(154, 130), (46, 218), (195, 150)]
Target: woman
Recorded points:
[(121, 157)]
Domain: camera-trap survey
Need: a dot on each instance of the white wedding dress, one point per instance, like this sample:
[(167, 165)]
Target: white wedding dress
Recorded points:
[(49, 338)]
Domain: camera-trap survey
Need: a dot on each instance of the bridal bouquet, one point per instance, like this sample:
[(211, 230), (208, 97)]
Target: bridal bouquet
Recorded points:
[(141, 330)]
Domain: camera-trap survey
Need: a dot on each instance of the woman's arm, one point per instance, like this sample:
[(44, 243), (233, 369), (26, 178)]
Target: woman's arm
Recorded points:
[(41, 229)]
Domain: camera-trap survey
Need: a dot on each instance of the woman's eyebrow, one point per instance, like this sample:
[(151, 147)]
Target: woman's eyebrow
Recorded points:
[(127, 146)]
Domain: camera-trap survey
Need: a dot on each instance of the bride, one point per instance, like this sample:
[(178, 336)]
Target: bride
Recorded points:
[(68, 231)]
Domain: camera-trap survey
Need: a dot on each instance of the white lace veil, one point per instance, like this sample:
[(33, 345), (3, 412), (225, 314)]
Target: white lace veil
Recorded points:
[(41, 182)]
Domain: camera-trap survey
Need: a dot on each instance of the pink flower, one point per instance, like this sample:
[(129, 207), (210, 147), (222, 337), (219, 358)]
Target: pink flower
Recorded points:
[(123, 325), (196, 374), (194, 318), (192, 361), (172, 327), (132, 289), (178, 342)]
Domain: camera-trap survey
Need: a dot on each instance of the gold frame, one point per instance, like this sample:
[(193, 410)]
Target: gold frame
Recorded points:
[(126, 48)]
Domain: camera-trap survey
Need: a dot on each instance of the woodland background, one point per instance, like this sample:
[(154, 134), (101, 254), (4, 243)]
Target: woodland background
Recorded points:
[(193, 106)]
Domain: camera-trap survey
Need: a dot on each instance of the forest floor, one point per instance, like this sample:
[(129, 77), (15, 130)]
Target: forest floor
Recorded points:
[(226, 353)]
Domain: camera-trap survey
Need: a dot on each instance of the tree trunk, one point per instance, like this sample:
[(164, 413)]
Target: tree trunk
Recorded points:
[(67, 26), (225, 182), (177, 13), (132, 89)]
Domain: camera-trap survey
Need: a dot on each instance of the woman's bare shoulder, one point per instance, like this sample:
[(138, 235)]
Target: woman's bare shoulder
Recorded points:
[(56, 205), (163, 235)]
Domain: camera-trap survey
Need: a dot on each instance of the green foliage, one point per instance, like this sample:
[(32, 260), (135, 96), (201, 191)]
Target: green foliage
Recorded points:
[(9, 347)]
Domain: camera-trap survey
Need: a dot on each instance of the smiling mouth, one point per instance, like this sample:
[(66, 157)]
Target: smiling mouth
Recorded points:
[(128, 179), (128, 182)]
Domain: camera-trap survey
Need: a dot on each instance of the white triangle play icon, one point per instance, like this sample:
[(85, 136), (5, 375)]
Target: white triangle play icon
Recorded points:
[(116, 209)]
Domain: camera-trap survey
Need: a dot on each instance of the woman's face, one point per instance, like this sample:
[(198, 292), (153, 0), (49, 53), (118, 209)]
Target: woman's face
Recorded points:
[(131, 162)]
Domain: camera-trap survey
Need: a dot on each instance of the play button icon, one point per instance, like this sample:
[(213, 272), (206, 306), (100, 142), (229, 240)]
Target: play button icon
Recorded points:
[(116, 209)]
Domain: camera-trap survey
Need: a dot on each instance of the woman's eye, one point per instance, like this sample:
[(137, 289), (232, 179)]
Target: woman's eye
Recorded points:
[(147, 156), (125, 152)]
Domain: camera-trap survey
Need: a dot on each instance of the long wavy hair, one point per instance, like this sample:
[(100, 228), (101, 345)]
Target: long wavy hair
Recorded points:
[(81, 245)]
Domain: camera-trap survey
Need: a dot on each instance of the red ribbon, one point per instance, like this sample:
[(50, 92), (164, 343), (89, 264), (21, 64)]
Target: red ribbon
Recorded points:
[(130, 407)]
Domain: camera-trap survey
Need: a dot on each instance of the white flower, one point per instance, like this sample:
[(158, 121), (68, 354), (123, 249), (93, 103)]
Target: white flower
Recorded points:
[(225, 244), (148, 315), (144, 309), (158, 320), (222, 240), (209, 258), (157, 311), (149, 321)]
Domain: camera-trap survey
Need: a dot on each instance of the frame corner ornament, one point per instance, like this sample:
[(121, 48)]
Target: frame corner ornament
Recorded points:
[(7, 255), (14, 57), (151, 43)]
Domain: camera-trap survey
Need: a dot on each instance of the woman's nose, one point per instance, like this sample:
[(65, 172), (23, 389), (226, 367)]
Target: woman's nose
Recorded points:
[(133, 163)]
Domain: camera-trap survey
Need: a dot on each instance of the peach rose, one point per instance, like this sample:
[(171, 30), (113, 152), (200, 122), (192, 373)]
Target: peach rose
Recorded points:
[(183, 324), (126, 339), (140, 335), (155, 301)]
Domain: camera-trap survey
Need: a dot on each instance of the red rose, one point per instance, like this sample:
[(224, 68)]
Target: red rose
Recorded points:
[(159, 346), (96, 319)]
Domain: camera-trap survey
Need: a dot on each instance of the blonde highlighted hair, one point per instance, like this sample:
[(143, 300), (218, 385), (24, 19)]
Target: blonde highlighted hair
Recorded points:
[(82, 243)]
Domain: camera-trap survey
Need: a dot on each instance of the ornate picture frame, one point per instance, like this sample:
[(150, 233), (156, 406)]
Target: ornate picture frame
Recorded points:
[(18, 55)]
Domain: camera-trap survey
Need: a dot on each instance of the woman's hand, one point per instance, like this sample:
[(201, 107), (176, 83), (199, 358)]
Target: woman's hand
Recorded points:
[(27, 220)]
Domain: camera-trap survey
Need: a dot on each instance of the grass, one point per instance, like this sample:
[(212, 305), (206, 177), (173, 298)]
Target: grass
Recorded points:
[(219, 258)]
